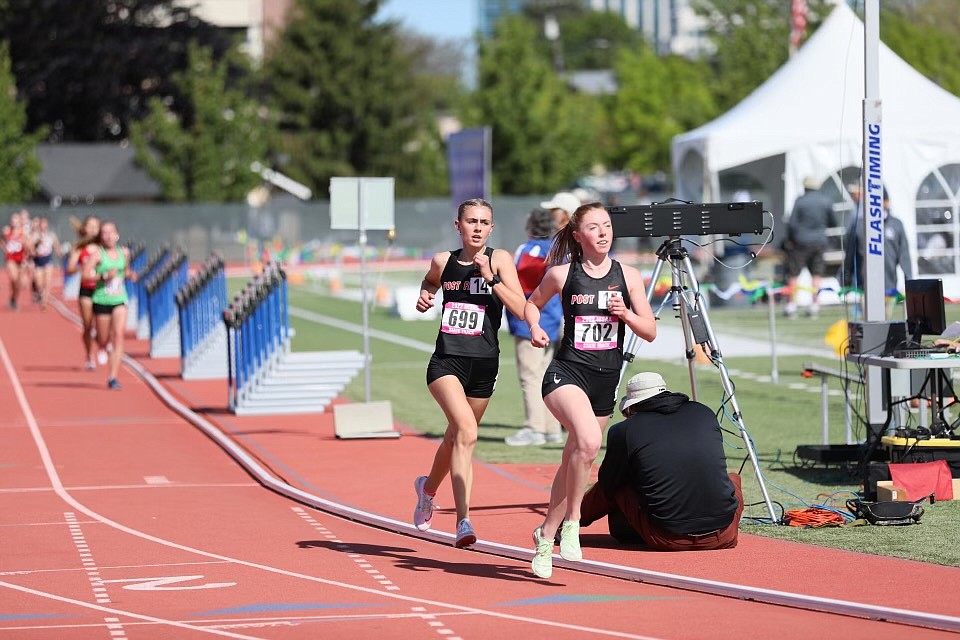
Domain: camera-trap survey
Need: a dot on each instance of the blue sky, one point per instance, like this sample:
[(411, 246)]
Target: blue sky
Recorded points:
[(445, 19)]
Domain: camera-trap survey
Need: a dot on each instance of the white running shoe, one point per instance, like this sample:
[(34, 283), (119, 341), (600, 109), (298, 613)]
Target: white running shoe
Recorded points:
[(543, 555), (525, 437), (466, 536), (423, 514), (570, 541), (102, 357)]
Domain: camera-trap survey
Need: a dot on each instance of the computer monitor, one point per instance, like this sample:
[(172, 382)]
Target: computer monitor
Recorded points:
[(925, 311)]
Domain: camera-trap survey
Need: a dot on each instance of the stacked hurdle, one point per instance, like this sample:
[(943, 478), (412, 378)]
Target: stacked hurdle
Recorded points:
[(138, 260), (161, 288), (140, 320), (203, 336), (263, 376)]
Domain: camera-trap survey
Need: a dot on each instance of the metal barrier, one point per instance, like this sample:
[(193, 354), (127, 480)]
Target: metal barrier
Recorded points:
[(161, 289), (138, 260), (151, 266), (203, 337), (263, 376)]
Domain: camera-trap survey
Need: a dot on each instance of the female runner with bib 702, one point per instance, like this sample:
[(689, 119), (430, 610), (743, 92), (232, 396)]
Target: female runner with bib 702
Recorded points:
[(600, 298), (477, 282)]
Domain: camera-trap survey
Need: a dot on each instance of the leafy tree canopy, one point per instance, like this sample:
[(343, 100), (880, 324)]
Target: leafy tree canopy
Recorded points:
[(543, 135), (349, 101), (592, 40), (200, 146), (659, 98), (19, 178), (751, 39), (88, 67), (928, 38)]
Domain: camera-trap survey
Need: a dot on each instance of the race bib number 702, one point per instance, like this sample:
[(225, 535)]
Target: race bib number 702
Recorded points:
[(595, 333)]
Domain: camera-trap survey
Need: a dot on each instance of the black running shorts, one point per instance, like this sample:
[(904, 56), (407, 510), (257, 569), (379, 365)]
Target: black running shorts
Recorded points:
[(600, 385), (478, 376)]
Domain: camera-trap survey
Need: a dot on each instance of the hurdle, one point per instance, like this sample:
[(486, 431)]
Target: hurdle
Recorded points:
[(263, 375), (141, 319), (138, 260), (203, 336), (161, 289)]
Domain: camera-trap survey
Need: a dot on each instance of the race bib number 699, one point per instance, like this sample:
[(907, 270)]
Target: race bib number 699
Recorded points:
[(462, 318), (595, 333)]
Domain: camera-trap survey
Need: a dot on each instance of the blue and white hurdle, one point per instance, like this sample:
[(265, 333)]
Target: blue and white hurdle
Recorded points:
[(161, 289), (137, 297), (264, 376), (138, 260), (203, 335)]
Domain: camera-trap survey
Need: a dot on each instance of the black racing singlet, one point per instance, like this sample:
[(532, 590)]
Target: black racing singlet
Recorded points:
[(471, 313), (590, 335)]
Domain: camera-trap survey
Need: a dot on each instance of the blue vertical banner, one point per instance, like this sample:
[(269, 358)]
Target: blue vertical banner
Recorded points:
[(468, 157)]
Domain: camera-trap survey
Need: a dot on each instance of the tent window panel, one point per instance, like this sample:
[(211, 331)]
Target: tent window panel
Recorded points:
[(951, 174), (935, 215), (936, 253), (932, 188)]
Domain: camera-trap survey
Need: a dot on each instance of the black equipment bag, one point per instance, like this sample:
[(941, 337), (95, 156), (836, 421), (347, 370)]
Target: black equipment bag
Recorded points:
[(887, 513)]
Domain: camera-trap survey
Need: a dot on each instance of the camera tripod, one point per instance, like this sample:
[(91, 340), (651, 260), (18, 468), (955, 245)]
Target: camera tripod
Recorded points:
[(689, 305)]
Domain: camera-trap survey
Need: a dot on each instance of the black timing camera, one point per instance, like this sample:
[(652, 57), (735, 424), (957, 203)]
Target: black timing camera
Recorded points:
[(686, 219)]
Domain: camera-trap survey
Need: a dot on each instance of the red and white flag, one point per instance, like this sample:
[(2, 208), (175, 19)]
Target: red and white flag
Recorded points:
[(798, 23)]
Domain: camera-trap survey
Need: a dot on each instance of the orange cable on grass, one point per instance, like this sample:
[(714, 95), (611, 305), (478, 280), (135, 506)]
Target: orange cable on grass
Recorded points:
[(813, 517)]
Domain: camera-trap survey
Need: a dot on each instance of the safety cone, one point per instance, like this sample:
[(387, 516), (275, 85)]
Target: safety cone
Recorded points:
[(382, 295)]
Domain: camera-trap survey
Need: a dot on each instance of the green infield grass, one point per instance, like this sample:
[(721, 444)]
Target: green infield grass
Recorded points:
[(779, 416)]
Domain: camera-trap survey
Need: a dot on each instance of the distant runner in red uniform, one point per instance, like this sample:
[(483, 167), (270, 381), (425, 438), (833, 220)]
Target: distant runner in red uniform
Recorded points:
[(87, 233), (15, 247)]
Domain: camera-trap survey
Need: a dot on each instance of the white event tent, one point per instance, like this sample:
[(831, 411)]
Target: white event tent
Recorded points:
[(806, 120)]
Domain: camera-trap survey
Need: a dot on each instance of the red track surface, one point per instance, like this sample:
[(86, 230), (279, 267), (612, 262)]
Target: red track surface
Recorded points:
[(122, 520)]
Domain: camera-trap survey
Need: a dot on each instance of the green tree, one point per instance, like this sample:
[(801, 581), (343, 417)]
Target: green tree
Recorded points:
[(348, 100), (751, 40), (87, 68), (658, 99), (592, 40), (19, 166), (544, 136), (201, 146), (928, 39)]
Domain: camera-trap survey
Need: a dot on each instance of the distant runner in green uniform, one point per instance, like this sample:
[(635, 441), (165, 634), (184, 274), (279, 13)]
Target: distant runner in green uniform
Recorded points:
[(109, 266)]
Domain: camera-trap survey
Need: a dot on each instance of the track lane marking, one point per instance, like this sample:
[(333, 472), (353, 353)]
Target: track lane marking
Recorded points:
[(172, 485), (118, 612), (658, 578), (116, 566), (61, 491)]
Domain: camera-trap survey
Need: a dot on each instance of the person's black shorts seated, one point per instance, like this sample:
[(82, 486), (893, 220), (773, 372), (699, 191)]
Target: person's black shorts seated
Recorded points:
[(663, 481)]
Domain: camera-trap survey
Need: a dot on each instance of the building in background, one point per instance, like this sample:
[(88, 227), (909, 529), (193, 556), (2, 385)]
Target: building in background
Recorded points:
[(258, 20), (671, 26)]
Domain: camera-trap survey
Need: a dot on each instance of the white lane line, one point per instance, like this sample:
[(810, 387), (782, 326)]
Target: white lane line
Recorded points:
[(93, 575), (658, 578), (392, 338), (129, 614), (112, 487), (28, 572), (235, 623), (86, 559), (156, 480), (54, 477), (360, 561)]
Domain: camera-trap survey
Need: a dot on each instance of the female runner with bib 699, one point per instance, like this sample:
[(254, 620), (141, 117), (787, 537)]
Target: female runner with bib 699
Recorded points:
[(477, 282), (600, 298)]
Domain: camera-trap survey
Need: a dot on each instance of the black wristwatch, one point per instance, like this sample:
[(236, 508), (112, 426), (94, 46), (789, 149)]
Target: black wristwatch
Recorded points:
[(494, 280)]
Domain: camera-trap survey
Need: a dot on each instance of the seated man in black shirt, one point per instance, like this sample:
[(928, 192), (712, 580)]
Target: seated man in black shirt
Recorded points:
[(663, 481)]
